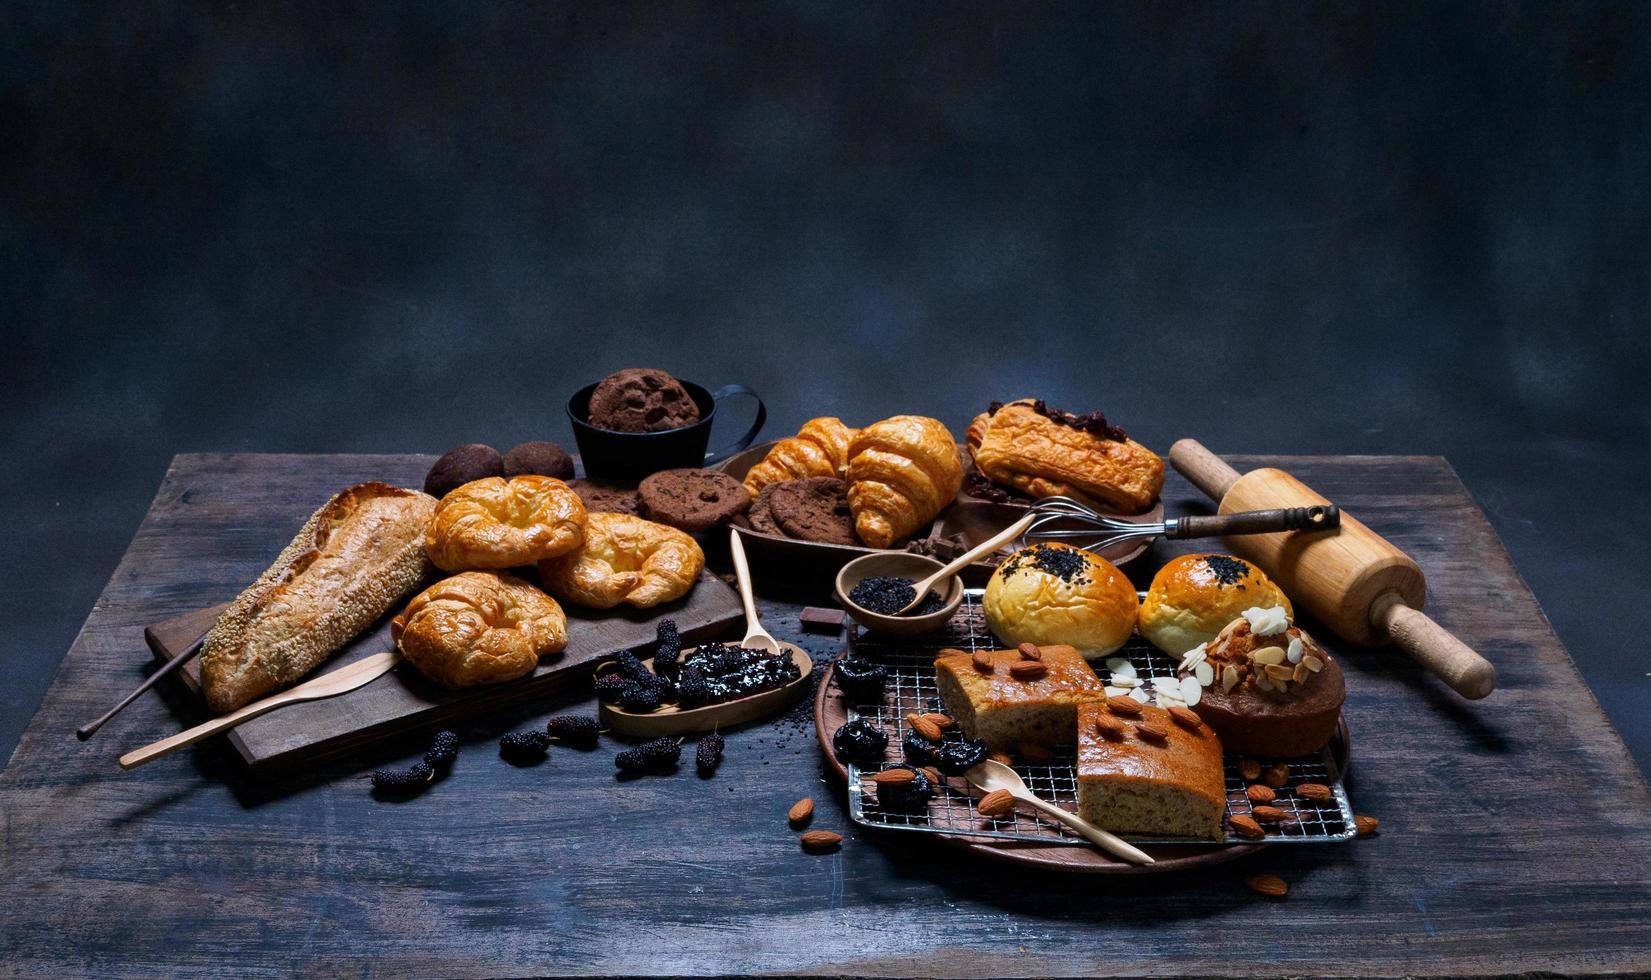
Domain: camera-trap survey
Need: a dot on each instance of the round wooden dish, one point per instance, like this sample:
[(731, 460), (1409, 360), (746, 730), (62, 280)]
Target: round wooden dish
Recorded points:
[(829, 715), (671, 720), (900, 565), (973, 519)]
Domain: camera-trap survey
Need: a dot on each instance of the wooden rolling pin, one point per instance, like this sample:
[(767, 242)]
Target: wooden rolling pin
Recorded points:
[(1351, 578)]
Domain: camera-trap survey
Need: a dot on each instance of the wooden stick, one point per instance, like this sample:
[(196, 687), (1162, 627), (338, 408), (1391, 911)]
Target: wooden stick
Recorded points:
[(963, 561), (332, 684), (89, 729)]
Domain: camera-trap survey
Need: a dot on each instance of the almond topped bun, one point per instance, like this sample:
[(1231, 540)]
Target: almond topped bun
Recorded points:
[(1194, 596), (1058, 594)]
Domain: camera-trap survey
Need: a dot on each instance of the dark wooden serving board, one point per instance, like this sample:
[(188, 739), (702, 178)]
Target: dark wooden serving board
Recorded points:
[(1515, 830), (403, 701)]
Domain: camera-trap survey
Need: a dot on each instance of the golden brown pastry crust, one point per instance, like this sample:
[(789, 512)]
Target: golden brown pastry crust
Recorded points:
[(350, 563), (625, 559), (479, 628), (820, 448), (1194, 597), (1019, 448), (902, 472), (1170, 784), (1072, 597), (499, 523)]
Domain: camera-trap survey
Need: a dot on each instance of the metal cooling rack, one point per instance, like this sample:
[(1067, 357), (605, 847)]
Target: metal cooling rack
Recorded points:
[(911, 689)]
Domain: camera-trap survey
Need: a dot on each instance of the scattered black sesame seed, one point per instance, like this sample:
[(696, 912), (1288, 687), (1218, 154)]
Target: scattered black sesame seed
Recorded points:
[(1226, 569)]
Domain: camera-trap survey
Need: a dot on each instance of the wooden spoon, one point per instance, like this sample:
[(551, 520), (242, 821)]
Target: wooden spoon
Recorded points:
[(968, 558), (755, 636), (989, 776), (328, 685)]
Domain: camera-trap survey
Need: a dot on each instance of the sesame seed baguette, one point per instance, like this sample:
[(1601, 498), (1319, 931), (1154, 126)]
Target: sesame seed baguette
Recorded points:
[(352, 562)]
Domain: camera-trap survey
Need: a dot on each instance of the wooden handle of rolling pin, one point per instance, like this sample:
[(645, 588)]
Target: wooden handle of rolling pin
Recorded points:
[(1353, 579)]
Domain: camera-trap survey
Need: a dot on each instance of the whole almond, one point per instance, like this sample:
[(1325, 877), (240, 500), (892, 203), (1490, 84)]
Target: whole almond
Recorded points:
[(1317, 792), (1003, 758), (983, 662), (1123, 704), (800, 811), (820, 840), (933, 775), (1151, 732), (1186, 718), (1030, 651), (1249, 769), (1245, 827), (1258, 793), (1270, 885), (924, 727), (1034, 753), (996, 805), (894, 777), (1110, 728), (944, 721), (1028, 670), (1366, 825), (1268, 814), (1276, 775)]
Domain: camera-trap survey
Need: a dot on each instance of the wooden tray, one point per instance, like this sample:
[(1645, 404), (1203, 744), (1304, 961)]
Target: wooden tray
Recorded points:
[(830, 714), (974, 519), (403, 701)]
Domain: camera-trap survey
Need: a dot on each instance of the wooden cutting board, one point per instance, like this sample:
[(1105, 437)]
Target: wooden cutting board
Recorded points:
[(404, 701)]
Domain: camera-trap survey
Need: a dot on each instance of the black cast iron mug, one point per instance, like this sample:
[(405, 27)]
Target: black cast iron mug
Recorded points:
[(630, 456)]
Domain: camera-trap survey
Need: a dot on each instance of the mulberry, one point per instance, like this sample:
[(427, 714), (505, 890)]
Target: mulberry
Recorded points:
[(631, 668), (640, 697), (403, 780), (574, 729), (609, 686), (668, 655), (524, 746), (655, 756), (443, 750), (709, 754), (691, 689)]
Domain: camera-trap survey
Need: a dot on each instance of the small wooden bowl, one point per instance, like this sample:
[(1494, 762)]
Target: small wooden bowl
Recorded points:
[(671, 720), (914, 567)]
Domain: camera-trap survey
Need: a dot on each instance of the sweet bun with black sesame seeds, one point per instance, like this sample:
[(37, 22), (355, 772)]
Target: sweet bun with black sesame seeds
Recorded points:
[(1194, 597)]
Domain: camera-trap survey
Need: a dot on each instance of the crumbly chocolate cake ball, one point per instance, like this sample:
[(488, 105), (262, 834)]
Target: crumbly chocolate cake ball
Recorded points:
[(538, 459), (461, 465)]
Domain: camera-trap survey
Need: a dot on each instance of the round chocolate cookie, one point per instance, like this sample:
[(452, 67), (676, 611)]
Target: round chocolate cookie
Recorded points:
[(641, 400), (462, 465), (760, 517), (692, 500), (612, 498), (815, 509), (539, 459)]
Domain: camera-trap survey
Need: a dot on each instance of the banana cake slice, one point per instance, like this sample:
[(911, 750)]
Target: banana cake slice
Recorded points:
[(1005, 698)]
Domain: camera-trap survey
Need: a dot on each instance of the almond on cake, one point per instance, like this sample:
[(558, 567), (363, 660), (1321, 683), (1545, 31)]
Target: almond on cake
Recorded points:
[(1006, 708), (1149, 774)]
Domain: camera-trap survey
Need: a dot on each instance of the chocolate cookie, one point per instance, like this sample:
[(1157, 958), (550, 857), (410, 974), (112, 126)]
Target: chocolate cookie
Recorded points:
[(760, 517), (815, 509), (462, 465), (641, 400), (539, 459), (692, 500), (613, 498)]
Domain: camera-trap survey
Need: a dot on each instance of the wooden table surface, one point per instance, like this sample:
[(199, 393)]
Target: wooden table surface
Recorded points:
[(1516, 834)]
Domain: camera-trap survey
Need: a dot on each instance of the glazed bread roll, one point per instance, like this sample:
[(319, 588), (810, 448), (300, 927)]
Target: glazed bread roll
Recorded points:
[(351, 562), (499, 523), (479, 628), (1041, 452), (902, 472), (625, 559), (820, 448), (1055, 593), (1193, 597)]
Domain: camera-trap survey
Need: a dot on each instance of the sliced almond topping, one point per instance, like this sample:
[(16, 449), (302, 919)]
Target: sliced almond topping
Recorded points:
[(1204, 673), (996, 805), (1294, 651), (1263, 683), (1229, 678), (1126, 706), (1277, 672), (1312, 663), (1299, 674), (1268, 655)]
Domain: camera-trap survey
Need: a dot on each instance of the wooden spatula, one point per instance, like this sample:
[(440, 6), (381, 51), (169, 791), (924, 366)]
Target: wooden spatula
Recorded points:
[(328, 685)]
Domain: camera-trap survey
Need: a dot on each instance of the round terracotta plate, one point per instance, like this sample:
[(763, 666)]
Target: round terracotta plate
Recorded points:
[(974, 519), (829, 715)]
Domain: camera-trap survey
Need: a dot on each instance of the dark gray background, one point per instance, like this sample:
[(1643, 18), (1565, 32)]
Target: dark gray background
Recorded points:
[(1305, 228)]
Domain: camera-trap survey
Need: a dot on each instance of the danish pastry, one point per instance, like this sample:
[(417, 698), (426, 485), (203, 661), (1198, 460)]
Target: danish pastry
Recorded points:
[(902, 472), (479, 628), (352, 561), (625, 559), (1042, 452), (820, 448), (499, 523)]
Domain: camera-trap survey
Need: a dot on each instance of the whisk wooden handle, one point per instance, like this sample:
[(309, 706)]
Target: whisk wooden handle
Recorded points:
[(1319, 518)]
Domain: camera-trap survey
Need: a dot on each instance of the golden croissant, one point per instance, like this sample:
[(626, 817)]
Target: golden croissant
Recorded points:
[(499, 523), (1022, 447), (625, 559), (820, 448), (902, 472), (479, 628)]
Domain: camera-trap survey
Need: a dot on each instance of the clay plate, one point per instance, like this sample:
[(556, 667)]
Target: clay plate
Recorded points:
[(829, 715), (975, 519), (671, 720)]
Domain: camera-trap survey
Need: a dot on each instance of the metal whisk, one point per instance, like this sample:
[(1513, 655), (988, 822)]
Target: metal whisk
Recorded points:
[(1064, 511)]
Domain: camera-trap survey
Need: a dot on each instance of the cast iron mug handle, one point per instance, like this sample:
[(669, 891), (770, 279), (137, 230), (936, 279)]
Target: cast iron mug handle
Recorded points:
[(750, 436)]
